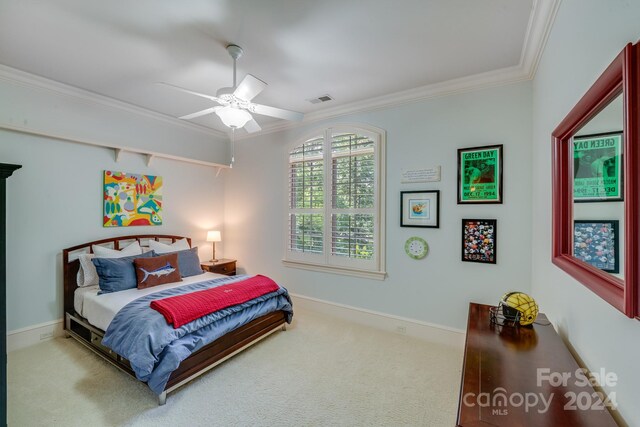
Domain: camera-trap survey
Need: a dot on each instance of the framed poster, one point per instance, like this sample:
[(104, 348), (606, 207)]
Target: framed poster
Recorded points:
[(597, 168), (479, 240), (596, 242), (480, 174), (420, 208)]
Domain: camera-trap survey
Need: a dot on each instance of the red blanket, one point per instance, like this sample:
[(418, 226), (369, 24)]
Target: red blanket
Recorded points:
[(182, 309)]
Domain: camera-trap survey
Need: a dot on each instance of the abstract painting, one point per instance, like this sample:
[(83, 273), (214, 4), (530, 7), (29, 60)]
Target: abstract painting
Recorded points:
[(131, 199)]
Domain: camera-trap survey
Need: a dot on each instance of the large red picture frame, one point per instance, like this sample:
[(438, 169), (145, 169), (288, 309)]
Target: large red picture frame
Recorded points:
[(622, 77)]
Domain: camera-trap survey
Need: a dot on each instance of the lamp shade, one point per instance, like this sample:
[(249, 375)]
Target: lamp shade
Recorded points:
[(233, 117), (214, 236)]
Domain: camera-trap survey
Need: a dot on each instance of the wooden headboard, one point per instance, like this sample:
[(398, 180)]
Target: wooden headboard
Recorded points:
[(70, 267)]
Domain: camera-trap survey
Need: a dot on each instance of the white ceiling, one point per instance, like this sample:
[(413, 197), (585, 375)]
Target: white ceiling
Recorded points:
[(353, 50)]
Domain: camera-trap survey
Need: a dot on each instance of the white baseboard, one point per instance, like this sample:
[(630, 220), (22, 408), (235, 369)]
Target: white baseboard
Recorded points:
[(31, 335), (388, 322)]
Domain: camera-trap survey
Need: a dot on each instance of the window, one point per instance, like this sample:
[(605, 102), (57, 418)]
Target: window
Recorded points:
[(335, 208)]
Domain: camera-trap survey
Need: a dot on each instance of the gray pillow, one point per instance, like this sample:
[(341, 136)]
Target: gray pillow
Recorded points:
[(188, 262), (117, 274)]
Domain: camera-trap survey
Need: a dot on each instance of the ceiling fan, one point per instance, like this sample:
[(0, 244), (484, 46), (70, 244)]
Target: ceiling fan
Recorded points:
[(235, 102)]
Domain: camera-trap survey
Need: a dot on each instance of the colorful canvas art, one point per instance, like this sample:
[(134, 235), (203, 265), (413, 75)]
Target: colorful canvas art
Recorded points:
[(131, 199)]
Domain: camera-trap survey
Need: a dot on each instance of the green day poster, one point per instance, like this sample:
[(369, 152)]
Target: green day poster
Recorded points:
[(480, 174), (597, 167)]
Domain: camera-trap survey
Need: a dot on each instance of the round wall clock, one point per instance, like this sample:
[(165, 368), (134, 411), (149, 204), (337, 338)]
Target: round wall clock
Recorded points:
[(416, 247)]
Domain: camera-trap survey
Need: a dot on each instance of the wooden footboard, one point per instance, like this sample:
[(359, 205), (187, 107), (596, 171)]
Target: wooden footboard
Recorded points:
[(225, 347), (195, 365)]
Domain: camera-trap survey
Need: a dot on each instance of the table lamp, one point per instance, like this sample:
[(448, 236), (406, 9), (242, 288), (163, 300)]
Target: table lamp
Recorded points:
[(213, 237)]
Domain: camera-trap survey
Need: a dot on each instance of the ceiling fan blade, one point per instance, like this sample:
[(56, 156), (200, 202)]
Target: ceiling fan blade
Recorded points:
[(199, 113), (249, 87), (279, 113), (203, 95), (252, 126)]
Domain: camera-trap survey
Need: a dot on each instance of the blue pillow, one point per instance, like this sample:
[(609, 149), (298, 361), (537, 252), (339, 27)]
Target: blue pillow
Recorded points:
[(188, 262), (117, 274)]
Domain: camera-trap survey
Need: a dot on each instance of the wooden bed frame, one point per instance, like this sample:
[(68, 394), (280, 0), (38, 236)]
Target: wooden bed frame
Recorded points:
[(198, 363)]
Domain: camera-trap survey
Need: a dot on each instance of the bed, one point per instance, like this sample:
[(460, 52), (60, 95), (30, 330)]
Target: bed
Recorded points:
[(86, 320)]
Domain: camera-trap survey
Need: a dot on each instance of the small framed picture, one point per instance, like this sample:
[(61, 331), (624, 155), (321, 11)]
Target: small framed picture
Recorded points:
[(480, 174), (479, 240), (597, 168), (420, 208), (596, 242)]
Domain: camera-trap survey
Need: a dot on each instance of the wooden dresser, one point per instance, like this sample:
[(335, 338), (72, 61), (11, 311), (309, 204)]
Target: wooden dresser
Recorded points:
[(511, 377)]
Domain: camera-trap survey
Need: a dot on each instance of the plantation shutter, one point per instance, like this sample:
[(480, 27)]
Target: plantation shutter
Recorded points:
[(306, 197), (352, 196), (336, 203)]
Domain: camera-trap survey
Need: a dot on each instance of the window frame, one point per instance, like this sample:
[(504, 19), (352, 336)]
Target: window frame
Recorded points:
[(326, 262)]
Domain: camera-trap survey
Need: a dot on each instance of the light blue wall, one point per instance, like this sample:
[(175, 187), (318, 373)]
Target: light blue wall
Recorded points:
[(438, 288), (586, 36), (42, 106), (55, 201)]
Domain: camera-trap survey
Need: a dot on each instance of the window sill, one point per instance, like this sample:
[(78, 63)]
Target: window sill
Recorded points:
[(366, 274)]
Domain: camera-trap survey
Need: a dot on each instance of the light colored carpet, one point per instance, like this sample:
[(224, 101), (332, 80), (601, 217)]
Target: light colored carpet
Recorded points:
[(321, 372)]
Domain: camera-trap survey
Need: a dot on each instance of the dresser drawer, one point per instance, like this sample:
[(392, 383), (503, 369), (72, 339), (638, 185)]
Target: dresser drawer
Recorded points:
[(221, 267)]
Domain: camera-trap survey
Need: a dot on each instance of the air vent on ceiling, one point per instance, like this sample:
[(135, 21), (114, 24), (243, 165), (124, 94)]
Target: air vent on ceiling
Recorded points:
[(318, 100)]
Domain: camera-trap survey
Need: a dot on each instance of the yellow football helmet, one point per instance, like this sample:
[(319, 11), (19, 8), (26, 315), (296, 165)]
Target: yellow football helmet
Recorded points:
[(517, 307)]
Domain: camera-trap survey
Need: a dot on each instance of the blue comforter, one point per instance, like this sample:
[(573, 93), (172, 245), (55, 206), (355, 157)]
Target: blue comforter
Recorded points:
[(155, 349)]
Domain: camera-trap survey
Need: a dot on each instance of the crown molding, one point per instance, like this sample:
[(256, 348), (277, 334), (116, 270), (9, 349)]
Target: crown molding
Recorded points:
[(541, 20), (464, 84), (15, 76)]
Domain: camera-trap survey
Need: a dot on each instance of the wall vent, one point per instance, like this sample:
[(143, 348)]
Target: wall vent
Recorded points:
[(318, 100)]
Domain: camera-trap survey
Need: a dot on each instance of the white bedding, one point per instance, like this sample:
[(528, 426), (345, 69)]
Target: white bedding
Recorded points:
[(80, 293), (100, 310)]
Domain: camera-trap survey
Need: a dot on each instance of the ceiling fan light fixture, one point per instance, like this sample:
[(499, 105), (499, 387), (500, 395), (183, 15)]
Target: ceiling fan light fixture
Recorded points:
[(233, 117), (236, 109)]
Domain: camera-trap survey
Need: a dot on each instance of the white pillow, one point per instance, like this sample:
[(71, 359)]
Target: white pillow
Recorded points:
[(87, 274), (102, 252), (163, 248)]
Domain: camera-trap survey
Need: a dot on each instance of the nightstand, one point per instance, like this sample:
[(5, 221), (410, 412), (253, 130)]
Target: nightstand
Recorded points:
[(222, 266)]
